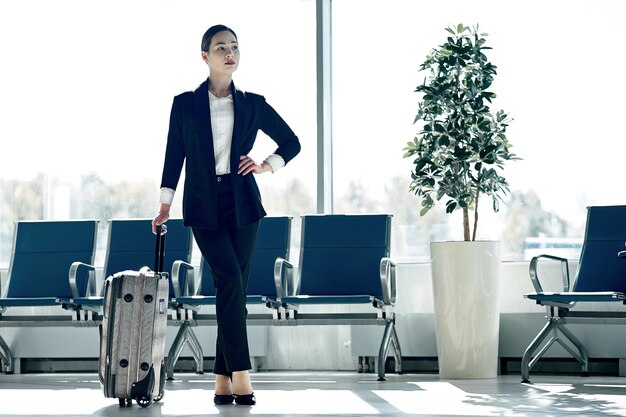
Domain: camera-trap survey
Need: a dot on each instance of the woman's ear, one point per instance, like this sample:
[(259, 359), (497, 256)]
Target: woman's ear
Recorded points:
[(205, 58)]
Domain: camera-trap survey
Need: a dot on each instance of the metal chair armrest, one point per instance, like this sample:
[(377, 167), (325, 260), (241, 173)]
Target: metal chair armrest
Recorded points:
[(91, 280), (2, 309), (190, 284), (534, 277), (283, 277), (388, 280)]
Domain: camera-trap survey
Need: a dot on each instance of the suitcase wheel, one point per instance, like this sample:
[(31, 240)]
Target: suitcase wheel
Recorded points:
[(124, 402), (158, 397), (144, 401)]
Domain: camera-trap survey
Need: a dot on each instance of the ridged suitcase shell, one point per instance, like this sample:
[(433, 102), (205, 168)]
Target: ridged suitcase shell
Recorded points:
[(132, 343)]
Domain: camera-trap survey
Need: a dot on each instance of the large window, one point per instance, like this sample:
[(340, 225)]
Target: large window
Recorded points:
[(86, 91), (87, 86), (559, 65)]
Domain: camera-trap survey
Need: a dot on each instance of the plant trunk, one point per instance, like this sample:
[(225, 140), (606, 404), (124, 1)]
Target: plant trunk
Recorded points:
[(476, 208), (466, 228), (475, 220), (475, 215)]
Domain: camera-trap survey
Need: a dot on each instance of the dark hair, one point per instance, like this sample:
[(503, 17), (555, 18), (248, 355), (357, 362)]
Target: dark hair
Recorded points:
[(212, 31)]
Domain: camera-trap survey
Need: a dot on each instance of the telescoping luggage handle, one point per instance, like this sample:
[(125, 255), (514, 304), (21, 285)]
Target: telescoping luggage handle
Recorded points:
[(159, 253)]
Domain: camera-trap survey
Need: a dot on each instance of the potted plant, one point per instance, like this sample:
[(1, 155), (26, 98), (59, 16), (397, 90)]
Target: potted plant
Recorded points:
[(459, 153)]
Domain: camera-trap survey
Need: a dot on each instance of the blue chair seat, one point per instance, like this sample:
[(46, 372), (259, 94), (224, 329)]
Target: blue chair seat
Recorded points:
[(258, 299), (209, 300), (328, 299), (569, 297), (93, 301), (28, 302), (196, 300)]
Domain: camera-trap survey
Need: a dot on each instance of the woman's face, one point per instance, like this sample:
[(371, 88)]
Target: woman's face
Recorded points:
[(223, 54)]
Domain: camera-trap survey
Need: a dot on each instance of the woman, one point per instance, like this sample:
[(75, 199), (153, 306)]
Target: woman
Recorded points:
[(212, 130)]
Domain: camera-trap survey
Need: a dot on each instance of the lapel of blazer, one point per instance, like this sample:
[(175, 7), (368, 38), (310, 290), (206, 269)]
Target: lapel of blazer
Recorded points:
[(203, 119), (238, 104)]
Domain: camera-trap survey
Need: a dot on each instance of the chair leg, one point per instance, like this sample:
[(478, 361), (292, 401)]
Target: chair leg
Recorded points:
[(582, 357), (397, 351), (528, 354), (384, 349), (176, 349), (5, 357), (555, 325), (196, 350)]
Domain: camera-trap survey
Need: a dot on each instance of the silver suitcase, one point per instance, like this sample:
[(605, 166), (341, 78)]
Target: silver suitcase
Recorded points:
[(132, 333)]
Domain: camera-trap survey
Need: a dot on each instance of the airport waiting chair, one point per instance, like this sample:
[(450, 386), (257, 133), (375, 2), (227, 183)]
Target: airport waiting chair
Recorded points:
[(132, 245), (269, 259), (344, 259), (44, 255), (601, 277)]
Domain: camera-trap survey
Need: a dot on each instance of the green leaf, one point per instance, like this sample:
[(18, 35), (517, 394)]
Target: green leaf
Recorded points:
[(419, 165), (444, 140), (485, 126)]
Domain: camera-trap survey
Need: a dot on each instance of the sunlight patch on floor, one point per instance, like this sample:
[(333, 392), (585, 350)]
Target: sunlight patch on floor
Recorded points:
[(187, 402), (311, 401), (64, 402), (443, 398)]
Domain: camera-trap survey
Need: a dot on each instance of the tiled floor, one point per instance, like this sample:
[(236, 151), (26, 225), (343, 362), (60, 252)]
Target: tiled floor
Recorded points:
[(327, 394)]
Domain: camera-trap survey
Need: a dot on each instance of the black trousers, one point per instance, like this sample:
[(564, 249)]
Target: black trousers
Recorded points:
[(228, 251)]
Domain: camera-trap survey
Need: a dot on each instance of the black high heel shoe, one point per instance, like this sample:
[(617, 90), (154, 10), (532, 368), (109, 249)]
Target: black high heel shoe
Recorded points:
[(246, 399), (223, 399)]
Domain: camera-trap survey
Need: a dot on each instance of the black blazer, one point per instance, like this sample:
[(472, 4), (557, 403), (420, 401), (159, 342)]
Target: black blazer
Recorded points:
[(190, 140)]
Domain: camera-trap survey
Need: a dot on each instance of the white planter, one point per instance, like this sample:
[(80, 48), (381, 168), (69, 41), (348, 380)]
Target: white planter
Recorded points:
[(466, 278)]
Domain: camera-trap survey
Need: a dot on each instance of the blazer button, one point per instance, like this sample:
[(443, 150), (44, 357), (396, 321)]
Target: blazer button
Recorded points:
[(219, 179)]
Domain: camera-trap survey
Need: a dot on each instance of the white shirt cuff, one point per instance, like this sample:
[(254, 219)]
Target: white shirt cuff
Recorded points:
[(275, 161), (167, 195)]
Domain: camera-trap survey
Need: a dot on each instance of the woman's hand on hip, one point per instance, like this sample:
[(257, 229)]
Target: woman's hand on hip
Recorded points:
[(247, 165), (162, 217)]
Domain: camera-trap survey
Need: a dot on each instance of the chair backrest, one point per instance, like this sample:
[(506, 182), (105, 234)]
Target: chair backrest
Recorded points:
[(600, 269), (43, 252), (341, 254), (132, 245), (272, 242)]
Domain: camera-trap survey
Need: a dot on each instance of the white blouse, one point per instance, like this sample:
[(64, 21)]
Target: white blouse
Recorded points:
[(222, 121)]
